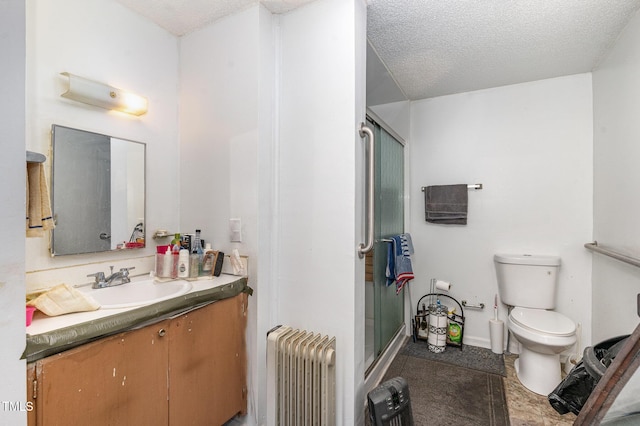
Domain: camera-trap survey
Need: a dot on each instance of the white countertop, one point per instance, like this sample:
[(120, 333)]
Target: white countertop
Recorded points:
[(43, 324)]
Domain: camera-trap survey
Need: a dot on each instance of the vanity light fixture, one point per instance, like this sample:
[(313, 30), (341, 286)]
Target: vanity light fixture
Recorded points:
[(98, 94)]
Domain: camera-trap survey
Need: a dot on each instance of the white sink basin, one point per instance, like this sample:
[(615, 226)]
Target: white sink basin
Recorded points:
[(137, 293)]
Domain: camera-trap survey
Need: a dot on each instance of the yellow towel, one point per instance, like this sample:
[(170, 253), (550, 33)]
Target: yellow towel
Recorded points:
[(63, 299), (39, 217)]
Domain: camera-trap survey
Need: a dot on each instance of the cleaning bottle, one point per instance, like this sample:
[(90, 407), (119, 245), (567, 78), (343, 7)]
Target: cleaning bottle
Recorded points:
[(455, 330)]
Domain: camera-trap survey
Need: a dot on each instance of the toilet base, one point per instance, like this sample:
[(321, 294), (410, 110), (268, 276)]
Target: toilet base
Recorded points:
[(540, 373)]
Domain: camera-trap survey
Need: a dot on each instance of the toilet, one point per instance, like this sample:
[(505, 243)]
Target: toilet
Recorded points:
[(527, 284)]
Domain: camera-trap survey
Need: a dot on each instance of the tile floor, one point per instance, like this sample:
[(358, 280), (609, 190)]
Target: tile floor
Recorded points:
[(527, 408)]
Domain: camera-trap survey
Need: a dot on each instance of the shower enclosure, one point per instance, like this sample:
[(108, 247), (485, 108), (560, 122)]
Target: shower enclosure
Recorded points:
[(384, 309)]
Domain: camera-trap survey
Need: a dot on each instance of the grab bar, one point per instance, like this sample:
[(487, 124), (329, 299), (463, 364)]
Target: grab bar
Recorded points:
[(470, 306), (619, 256), (366, 247)]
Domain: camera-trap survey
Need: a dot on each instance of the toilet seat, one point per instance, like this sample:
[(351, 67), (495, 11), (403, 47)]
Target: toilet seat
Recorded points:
[(542, 321)]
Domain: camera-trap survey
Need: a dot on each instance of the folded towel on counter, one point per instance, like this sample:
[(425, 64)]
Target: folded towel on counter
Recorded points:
[(446, 204), (63, 299), (39, 217), (399, 268)]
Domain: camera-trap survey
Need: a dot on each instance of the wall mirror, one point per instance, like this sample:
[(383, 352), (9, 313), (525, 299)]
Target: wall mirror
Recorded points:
[(98, 192)]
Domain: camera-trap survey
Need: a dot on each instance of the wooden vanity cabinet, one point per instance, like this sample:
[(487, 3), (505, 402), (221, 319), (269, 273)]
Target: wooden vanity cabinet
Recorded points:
[(117, 380), (207, 358), (31, 402), (190, 369)]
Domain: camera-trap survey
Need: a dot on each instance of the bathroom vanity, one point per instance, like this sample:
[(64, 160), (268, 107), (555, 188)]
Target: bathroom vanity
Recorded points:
[(180, 361)]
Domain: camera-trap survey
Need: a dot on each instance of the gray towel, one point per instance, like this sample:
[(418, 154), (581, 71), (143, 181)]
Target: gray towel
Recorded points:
[(446, 204)]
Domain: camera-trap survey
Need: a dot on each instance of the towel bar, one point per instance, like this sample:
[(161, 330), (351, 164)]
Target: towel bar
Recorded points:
[(469, 186), (35, 157)]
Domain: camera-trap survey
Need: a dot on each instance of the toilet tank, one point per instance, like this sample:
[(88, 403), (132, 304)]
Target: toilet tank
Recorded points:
[(526, 280)]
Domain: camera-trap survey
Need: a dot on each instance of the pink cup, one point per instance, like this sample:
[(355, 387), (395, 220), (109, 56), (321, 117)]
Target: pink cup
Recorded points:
[(30, 311)]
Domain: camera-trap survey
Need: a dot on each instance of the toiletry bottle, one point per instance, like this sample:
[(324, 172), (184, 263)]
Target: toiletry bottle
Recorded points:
[(194, 265), (175, 250), (208, 260), (167, 263), (197, 245), (183, 264), (176, 241), (197, 249)]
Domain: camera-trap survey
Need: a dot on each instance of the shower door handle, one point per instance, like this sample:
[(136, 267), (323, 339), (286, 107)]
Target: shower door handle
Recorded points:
[(364, 248)]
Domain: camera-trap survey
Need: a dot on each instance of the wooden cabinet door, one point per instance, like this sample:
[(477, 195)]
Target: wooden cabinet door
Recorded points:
[(207, 355), (31, 402), (118, 380)]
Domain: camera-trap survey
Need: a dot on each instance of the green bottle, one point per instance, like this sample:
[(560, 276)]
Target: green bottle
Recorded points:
[(176, 240)]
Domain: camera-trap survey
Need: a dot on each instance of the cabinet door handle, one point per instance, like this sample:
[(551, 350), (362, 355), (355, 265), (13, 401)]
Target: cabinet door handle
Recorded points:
[(162, 332)]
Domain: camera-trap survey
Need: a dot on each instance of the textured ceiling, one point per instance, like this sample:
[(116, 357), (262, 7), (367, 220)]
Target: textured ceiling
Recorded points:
[(434, 47), (180, 17)]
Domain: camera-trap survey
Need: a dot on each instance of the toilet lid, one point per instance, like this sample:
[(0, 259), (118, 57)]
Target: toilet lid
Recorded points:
[(543, 321)]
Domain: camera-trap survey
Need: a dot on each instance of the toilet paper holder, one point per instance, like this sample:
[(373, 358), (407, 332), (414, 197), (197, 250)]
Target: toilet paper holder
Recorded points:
[(453, 318)]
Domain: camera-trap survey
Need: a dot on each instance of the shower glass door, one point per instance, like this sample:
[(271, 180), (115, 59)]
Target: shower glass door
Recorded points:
[(388, 307)]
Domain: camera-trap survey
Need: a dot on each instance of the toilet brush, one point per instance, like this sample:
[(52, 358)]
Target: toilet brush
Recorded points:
[(496, 330)]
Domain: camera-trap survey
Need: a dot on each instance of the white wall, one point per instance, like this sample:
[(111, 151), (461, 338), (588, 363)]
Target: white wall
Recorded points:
[(12, 208), (530, 146), (225, 119), (616, 101), (104, 41), (268, 111), (264, 303), (320, 280), (397, 115)]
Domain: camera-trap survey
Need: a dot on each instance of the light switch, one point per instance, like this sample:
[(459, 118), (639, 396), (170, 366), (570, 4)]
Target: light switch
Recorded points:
[(235, 230)]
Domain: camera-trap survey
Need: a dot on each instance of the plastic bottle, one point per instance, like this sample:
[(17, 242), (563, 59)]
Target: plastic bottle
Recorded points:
[(176, 242), (194, 265), (183, 264), (208, 260), (167, 263), (197, 249), (197, 245)]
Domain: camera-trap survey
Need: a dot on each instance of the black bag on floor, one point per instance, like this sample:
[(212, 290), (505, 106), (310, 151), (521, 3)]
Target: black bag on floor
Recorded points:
[(573, 391)]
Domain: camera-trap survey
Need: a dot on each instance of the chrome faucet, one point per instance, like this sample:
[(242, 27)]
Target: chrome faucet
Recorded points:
[(116, 278)]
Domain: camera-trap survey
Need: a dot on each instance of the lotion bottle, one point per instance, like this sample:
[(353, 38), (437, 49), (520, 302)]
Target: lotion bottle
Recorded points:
[(183, 264), (208, 260), (167, 263)]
